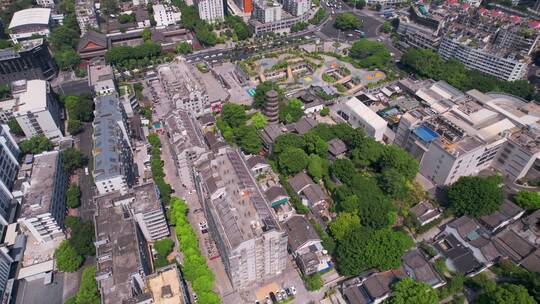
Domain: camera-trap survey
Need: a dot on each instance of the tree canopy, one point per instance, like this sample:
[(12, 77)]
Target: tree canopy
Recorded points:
[(82, 238), (288, 140), (72, 159), (67, 259), (248, 139), (347, 21), (291, 111), (409, 291), (258, 120), (343, 225), (506, 294), (317, 167), (292, 161), (315, 145), (365, 248), (529, 200), (234, 115), (35, 144), (88, 291), (73, 196), (14, 127), (476, 195), (259, 99), (370, 53)]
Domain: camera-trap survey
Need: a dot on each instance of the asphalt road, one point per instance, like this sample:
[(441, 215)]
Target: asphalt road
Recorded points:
[(86, 182)]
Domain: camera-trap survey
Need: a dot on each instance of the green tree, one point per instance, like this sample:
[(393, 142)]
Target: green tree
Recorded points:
[(370, 53), (146, 34), (318, 17), (313, 282), (317, 167), (291, 111), (73, 196), (63, 38), (82, 238), (347, 21), (184, 48), (344, 170), (409, 291), (75, 126), (70, 221), (258, 121), (325, 111), (292, 161), (72, 159), (393, 183), (248, 139), (368, 154), (67, 259), (529, 200), (343, 225), (154, 140), (506, 294), (386, 27), (164, 246), (241, 29), (234, 115), (476, 195), (288, 140), (67, 59), (88, 291), (35, 145), (365, 248), (14, 127), (396, 158), (259, 99), (315, 144), (110, 7)]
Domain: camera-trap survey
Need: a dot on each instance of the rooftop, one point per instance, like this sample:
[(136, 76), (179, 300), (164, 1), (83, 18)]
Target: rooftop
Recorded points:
[(366, 113), (37, 199), (28, 16), (117, 251), (165, 286), (184, 130), (242, 213), (32, 96), (418, 268), (300, 232)]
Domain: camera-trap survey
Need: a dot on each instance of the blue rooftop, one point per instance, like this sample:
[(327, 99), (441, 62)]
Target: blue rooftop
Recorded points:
[(426, 134)]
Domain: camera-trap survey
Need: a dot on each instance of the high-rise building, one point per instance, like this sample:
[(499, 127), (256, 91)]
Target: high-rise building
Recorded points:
[(211, 10), (9, 166), (36, 110), (266, 11), (253, 247), (5, 267), (43, 206), (271, 107), (113, 158), (297, 7), (31, 60), (166, 15)]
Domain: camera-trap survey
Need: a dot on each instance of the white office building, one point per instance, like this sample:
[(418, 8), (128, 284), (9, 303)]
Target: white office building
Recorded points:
[(113, 158), (359, 115), (461, 134), (267, 11), (506, 65), (211, 10), (297, 7), (43, 207), (36, 110), (166, 15)]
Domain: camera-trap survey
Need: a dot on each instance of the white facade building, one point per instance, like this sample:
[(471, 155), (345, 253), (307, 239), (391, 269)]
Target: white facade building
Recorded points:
[(211, 10), (36, 110), (297, 7), (46, 3), (361, 116), (86, 15), (506, 67), (30, 22), (267, 11), (166, 15), (9, 166)]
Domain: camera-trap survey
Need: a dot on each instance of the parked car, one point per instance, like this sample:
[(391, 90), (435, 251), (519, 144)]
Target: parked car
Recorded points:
[(293, 290), (273, 297)]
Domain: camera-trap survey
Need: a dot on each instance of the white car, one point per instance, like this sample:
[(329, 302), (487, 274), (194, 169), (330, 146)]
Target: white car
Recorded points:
[(86, 170), (293, 290)]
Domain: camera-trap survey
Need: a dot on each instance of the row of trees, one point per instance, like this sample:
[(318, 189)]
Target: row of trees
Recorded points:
[(70, 253), (192, 21), (80, 109), (195, 269), (64, 38), (241, 30), (156, 166), (122, 54), (88, 292), (427, 63)]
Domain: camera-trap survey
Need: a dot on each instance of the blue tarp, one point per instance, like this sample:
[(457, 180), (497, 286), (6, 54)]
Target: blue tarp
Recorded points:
[(425, 133)]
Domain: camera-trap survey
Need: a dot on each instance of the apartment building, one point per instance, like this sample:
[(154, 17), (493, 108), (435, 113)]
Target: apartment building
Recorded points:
[(36, 110), (211, 10), (252, 245), (461, 134), (184, 87), (86, 15), (5, 267), (122, 257), (29, 23), (9, 166), (166, 15), (31, 60), (506, 66), (145, 207), (414, 35), (46, 3), (246, 6), (297, 7), (266, 11), (281, 26), (113, 158), (359, 115), (43, 206)]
